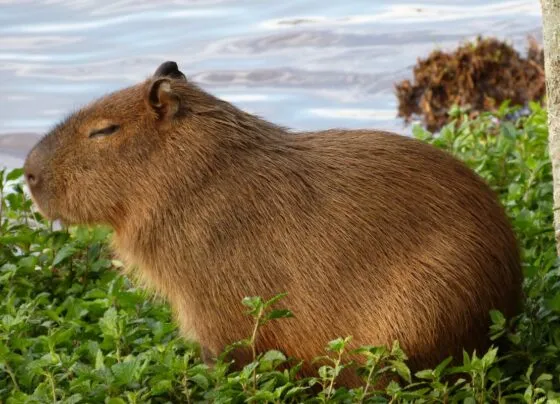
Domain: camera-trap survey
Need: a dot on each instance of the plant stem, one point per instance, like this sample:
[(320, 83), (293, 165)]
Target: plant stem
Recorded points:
[(1, 201), (185, 379), (186, 389), (86, 272), (482, 389), (25, 211), (53, 388), (253, 347), (12, 375), (254, 335), (367, 384), (336, 365)]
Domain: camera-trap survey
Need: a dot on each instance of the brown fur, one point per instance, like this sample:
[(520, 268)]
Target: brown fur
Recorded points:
[(372, 234)]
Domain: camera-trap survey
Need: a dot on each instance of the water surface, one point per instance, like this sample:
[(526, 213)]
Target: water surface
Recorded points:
[(305, 64)]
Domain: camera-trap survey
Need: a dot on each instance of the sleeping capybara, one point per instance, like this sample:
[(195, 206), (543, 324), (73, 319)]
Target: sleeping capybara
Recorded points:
[(372, 234)]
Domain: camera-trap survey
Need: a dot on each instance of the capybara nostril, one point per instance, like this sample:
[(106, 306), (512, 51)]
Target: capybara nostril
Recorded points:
[(32, 179), (33, 167)]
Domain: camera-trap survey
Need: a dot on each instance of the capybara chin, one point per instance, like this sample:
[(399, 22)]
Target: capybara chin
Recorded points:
[(372, 234)]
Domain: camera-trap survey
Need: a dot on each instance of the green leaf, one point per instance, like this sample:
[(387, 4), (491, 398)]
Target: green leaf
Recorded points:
[(15, 174), (337, 345), (324, 372), (8, 267), (274, 299), (544, 377), (425, 374), (99, 360), (273, 355), (28, 263), (253, 302), (528, 395), (393, 388), (489, 358), (163, 386), (63, 254), (108, 323), (125, 372), (497, 317), (442, 366), (200, 380), (294, 391), (116, 400), (128, 299), (553, 303), (263, 395), (73, 399), (282, 313), (401, 369), (62, 335), (509, 130)]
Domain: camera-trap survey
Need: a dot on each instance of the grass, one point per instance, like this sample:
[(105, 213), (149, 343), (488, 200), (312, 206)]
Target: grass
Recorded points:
[(72, 330)]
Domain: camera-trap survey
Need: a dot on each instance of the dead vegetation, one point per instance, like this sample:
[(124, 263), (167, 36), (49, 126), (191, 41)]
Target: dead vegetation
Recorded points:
[(477, 76)]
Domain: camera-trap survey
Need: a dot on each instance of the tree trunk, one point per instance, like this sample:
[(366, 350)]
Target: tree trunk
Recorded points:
[(551, 37)]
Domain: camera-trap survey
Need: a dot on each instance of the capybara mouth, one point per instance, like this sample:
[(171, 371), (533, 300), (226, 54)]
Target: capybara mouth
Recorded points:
[(43, 207)]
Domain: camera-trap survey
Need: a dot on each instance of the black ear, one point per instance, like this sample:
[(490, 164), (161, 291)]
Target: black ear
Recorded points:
[(169, 69), (162, 99)]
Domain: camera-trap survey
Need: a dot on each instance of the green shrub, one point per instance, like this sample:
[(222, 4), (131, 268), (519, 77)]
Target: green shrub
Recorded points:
[(72, 330)]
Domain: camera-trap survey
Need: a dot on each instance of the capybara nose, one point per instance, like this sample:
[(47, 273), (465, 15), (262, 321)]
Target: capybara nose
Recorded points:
[(32, 179), (32, 172)]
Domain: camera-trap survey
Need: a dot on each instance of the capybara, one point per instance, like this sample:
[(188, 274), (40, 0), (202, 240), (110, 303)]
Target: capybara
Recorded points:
[(372, 234)]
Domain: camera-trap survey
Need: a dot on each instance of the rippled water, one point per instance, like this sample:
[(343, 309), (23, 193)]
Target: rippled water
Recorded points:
[(301, 63)]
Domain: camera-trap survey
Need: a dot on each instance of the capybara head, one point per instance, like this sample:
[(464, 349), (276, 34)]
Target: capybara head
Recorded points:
[(90, 166)]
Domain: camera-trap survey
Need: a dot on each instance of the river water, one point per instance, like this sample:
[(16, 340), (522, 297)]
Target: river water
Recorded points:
[(305, 64)]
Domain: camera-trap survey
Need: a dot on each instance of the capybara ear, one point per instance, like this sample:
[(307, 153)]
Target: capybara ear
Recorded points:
[(169, 69), (162, 99)]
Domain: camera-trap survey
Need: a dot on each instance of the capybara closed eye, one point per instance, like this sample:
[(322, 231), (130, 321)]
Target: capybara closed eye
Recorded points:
[(372, 234)]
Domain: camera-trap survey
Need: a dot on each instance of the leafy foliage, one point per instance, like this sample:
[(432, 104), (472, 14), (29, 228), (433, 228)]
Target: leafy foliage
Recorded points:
[(73, 330)]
